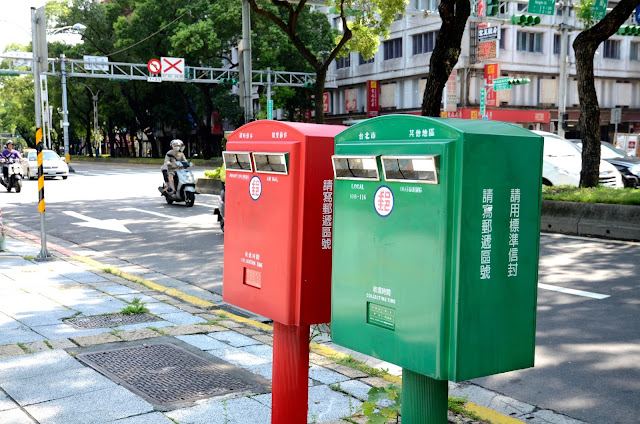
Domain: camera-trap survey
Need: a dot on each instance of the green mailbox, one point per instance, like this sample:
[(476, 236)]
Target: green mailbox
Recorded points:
[(436, 244)]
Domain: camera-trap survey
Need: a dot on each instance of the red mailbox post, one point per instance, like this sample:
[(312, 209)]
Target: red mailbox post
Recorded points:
[(278, 240)]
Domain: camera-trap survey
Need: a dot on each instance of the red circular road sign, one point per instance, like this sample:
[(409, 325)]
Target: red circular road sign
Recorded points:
[(154, 66)]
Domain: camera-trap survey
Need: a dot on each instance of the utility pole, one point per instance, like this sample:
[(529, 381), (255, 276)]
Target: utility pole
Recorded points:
[(246, 56), (65, 110), (40, 62), (562, 84)]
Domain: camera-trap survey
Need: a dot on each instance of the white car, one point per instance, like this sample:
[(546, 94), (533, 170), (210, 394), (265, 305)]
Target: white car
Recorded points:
[(562, 163), (52, 165)]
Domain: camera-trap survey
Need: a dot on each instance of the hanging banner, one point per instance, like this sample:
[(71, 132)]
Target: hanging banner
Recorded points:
[(373, 99), (491, 72), (351, 100)]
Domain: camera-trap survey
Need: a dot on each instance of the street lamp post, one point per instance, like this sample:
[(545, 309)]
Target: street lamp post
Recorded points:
[(562, 83), (94, 98)]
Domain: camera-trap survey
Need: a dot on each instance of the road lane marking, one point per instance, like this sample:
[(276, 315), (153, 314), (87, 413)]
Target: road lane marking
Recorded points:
[(162, 215), (573, 291), (104, 224)]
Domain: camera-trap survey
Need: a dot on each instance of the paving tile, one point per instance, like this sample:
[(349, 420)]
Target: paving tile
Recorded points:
[(232, 411), (264, 370), (19, 335), (229, 323), (65, 331), (237, 357), (264, 338), (34, 347), (155, 324), (375, 381), (355, 388), (143, 298), (32, 365), (181, 318), (325, 375), (162, 308), (47, 387), (249, 331), (324, 404), (100, 406), (6, 402), (46, 318), (153, 418), (84, 277), (10, 350), (143, 333), (234, 339), (203, 342), (261, 350), (95, 340), (117, 290), (348, 371), (61, 344), (15, 416)]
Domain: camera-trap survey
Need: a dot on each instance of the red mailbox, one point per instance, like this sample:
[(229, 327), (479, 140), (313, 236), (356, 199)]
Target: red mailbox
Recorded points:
[(278, 240), (278, 223)]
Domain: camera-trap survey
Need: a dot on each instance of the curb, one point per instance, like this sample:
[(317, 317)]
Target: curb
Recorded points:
[(481, 411), (609, 221)]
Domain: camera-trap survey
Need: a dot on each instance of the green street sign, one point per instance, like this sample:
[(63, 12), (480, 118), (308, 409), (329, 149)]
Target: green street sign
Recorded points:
[(542, 7), (482, 102), (500, 84), (269, 109), (599, 9)]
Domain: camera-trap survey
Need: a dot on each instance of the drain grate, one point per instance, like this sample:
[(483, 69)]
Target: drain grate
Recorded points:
[(113, 320), (169, 376), (236, 311)]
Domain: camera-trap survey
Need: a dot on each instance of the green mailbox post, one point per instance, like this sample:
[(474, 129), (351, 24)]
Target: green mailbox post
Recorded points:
[(435, 257)]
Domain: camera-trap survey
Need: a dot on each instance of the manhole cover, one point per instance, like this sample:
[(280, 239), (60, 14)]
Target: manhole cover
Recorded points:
[(169, 376), (113, 320)]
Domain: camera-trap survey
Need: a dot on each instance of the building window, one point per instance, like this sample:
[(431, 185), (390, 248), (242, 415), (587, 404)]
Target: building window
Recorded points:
[(363, 61), (424, 43), (529, 42), (634, 53), (503, 37), (522, 6), (393, 49), (343, 62), (611, 49)]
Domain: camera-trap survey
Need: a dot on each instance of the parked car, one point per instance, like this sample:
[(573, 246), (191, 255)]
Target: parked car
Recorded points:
[(52, 165), (562, 163), (628, 166)]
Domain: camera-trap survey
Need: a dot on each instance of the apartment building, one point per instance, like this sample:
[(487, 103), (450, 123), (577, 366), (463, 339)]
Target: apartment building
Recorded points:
[(401, 64)]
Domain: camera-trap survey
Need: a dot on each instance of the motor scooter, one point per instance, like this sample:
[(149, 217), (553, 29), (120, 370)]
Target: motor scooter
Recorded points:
[(14, 175), (184, 183)]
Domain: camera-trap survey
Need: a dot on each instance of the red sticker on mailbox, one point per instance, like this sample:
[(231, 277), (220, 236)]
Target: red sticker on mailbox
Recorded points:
[(383, 201), (255, 187)]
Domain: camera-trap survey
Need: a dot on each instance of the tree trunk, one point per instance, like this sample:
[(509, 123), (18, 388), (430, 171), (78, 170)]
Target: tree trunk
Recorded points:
[(585, 47), (454, 15), (318, 91)]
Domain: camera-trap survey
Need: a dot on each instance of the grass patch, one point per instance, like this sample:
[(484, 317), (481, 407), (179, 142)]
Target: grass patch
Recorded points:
[(28, 257), (351, 362), (24, 348), (135, 307), (621, 196), (157, 330), (456, 405)]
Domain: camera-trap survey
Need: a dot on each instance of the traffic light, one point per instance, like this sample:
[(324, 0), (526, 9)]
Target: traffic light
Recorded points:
[(519, 81), (493, 7), (525, 20), (228, 81), (628, 30), (309, 85)]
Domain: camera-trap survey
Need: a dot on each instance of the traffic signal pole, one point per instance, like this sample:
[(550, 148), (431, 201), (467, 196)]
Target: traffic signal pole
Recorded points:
[(562, 86)]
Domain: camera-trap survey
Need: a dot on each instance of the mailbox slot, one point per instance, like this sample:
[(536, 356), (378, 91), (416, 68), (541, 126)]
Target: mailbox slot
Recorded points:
[(413, 169), (355, 168), (237, 161), (271, 163)]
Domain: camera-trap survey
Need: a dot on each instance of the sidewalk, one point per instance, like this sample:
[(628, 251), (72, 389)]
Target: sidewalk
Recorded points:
[(188, 363)]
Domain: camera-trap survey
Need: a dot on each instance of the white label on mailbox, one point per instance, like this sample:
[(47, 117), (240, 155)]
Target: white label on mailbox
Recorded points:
[(255, 187), (383, 201)]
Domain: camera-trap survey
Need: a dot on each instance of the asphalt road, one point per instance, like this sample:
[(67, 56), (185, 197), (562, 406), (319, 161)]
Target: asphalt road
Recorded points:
[(588, 333)]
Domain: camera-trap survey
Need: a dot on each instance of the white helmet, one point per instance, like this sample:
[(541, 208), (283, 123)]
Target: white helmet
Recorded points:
[(177, 143)]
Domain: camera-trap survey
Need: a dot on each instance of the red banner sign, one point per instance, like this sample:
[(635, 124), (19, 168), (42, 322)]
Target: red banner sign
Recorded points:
[(325, 103), (491, 71)]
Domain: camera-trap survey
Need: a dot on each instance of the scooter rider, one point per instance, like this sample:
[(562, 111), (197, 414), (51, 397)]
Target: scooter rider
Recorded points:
[(170, 165), (8, 154)]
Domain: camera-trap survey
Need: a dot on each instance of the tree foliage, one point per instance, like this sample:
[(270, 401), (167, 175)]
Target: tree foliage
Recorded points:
[(585, 46), (361, 32)]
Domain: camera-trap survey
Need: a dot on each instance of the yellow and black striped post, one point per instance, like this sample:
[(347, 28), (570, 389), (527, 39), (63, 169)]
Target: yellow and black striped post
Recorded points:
[(44, 254), (39, 144)]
